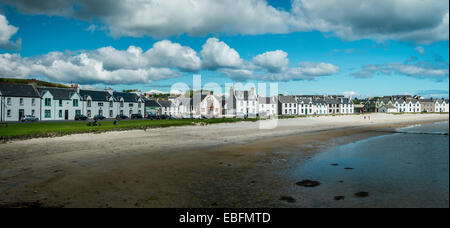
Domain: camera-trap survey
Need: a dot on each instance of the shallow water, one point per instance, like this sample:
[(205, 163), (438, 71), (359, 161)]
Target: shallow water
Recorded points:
[(398, 170)]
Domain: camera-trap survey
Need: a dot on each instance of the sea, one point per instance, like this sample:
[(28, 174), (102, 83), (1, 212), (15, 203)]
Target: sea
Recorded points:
[(406, 169)]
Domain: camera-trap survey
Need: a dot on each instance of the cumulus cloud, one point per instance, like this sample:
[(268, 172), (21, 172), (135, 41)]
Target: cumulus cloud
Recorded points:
[(217, 54), (273, 61), (418, 21), (163, 61), (305, 71), (168, 54), (79, 68), (6, 32)]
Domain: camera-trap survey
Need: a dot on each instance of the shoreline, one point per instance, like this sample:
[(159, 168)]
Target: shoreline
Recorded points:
[(59, 173)]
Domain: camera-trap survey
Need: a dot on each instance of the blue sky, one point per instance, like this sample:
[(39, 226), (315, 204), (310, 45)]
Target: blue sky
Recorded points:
[(343, 57)]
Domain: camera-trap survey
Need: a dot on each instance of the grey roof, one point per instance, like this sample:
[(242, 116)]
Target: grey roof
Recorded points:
[(264, 100), (287, 99), (151, 103), (388, 106), (426, 100), (127, 97), (18, 90), (165, 103), (95, 95), (58, 93)]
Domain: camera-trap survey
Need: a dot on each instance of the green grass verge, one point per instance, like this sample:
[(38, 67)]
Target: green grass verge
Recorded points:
[(52, 129)]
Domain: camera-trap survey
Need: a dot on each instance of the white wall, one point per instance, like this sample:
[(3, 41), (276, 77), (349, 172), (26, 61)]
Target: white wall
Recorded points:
[(15, 105)]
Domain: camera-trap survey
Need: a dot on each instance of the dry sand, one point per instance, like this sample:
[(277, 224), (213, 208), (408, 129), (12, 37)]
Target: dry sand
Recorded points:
[(223, 165)]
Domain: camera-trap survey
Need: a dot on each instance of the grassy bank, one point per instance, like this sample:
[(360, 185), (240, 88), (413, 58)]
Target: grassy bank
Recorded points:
[(52, 129)]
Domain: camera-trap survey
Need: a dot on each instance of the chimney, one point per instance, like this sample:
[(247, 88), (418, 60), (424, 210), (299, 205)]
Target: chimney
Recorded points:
[(76, 87)]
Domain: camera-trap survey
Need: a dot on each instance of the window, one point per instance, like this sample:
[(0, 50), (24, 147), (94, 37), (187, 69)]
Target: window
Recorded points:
[(48, 114), (75, 103), (111, 104), (48, 102), (100, 104), (21, 101), (121, 104), (8, 101), (110, 113), (60, 113), (139, 105), (60, 103), (33, 102), (33, 112), (89, 104), (8, 113)]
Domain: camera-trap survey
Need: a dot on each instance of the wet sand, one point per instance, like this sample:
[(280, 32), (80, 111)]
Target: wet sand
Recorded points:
[(226, 165)]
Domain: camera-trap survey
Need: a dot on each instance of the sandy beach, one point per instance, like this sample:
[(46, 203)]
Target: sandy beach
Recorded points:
[(223, 165)]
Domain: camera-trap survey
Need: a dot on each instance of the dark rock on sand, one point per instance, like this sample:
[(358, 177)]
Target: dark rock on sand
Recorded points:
[(362, 194), (308, 183), (288, 199), (348, 168), (337, 198), (335, 164)]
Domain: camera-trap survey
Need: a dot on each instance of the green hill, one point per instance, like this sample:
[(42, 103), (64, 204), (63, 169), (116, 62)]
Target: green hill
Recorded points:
[(27, 81)]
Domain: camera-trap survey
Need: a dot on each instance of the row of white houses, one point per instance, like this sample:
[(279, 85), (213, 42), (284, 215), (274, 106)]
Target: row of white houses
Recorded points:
[(248, 103), (407, 104), (50, 103)]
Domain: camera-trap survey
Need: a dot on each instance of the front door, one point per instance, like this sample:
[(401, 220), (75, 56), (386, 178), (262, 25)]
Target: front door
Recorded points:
[(66, 115), (21, 114)]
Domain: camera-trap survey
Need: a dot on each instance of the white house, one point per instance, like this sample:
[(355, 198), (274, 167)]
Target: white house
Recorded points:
[(268, 106), (165, 107), (181, 107), (242, 103), (388, 109), (210, 105), (17, 101), (128, 104), (59, 103), (99, 103), (346, 106), (441, 105), (306, 106), (401, 105), (287, 105)]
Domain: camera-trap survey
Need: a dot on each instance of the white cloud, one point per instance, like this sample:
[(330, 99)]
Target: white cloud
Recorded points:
[(417, 70), (164, 60), (418, 21), (80, 68), (305, 71), (6, 32), (168, 54), (273, 62), (420, 50), (217, 54)]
